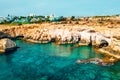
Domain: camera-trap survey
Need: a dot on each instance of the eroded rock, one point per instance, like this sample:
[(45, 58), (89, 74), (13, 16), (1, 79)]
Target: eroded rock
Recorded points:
[(67, 35), (6, 45)]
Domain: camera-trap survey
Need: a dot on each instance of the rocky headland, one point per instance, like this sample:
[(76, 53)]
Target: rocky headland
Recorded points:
[(104, 39)]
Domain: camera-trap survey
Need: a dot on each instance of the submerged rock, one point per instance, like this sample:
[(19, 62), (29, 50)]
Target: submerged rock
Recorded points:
[(6, 45), (98, 61)]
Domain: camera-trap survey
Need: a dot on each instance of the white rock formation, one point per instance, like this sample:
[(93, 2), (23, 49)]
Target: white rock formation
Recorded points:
[(6, 45)]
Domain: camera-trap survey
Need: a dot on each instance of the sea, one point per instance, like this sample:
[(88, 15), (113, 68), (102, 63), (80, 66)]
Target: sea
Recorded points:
[(54, 62)]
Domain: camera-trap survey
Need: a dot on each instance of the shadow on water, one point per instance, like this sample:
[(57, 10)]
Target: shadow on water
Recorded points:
[(11, 51)]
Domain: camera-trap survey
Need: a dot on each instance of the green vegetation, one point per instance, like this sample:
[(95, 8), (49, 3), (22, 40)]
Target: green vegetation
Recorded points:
[(19, 20)]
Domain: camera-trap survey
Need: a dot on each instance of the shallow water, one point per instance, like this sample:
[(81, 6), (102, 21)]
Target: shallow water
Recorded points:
[(53, 62)]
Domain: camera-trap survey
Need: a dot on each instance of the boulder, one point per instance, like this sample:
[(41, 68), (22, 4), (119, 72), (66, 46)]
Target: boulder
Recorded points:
[(6, 45)]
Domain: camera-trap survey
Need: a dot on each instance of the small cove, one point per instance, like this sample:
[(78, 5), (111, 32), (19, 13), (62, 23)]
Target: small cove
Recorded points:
[(53, 62)]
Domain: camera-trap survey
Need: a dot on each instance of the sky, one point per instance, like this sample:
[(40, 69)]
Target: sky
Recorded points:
[(59, 7)]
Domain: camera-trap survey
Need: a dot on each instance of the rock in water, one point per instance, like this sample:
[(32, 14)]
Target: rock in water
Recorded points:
[(6, 45)]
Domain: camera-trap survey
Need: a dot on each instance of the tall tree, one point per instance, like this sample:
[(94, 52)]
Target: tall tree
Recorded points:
[(72, 18)]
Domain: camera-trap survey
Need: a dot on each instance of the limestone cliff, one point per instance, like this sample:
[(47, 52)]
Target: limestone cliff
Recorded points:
[(61, 34), (58, 35)]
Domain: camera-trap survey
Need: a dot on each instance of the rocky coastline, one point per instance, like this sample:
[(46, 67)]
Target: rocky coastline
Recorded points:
[(104, 42)]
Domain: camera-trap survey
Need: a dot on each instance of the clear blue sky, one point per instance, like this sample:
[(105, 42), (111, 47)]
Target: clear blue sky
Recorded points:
[(60, 7)]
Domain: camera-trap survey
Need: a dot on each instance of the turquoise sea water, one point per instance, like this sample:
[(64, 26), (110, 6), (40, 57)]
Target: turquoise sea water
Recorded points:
[(53, 62)]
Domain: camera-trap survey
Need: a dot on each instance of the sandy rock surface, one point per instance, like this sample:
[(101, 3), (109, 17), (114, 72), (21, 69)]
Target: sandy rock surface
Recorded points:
[(6, 45)]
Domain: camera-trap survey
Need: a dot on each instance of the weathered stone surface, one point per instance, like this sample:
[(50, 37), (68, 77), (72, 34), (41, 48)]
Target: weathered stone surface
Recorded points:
[(4, 35), (6, 45), (62, 34)]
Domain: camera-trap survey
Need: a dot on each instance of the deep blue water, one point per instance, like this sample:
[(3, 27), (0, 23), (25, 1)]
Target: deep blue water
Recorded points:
[(53, 62)]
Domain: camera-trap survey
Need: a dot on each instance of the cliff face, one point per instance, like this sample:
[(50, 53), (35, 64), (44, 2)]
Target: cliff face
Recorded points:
[(6, 45), (59, 35), (64, 34), (106, 40)]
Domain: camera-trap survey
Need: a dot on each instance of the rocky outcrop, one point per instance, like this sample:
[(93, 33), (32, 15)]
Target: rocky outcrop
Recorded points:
[(67, 35), (4, 35), (58, 35), (98, 61), (6, 45)]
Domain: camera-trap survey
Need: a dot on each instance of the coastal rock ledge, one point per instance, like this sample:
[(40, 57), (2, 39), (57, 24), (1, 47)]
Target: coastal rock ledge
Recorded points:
[(104, 40), (6, 45)]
